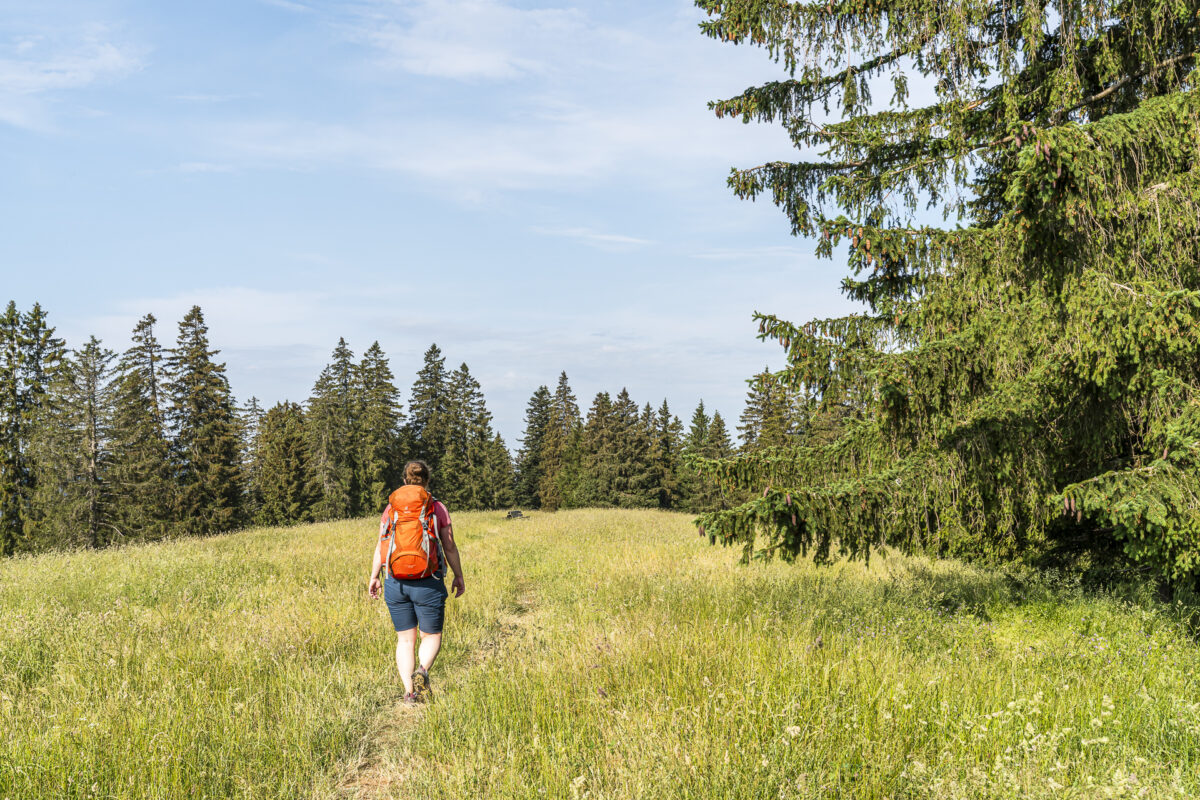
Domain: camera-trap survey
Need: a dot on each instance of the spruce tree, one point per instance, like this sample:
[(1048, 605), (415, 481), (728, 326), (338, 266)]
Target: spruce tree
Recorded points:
[(665, 465), (597, 483), (633, 432), (250, 418), (561, 449), (38, 359), (692, 484), (140, 473), (717, 446), (70, 501), (429, 410), (530, 467), (333, 425), (1035, 356), (769, 417), (283, 470), (205, 433), (12, 474), (380, 441), (499, 478), (467, 442)]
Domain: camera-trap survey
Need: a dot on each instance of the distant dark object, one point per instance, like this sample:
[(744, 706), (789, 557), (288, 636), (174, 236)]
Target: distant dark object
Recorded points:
[(515, 515)]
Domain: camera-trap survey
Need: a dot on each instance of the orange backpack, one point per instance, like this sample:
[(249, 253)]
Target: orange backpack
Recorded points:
[(408, 546)]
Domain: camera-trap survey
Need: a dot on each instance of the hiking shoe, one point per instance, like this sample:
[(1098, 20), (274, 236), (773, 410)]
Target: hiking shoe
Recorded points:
[(421, 686), (410, 699)]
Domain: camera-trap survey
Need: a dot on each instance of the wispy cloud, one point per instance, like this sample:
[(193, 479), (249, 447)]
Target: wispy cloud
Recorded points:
[(754, 253), (466, 39), (548, 97), (35, 67), (607, 241), (203, 166), (288, 5)]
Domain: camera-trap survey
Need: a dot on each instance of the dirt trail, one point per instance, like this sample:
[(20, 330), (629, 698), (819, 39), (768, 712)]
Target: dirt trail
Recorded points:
[(378, 772)]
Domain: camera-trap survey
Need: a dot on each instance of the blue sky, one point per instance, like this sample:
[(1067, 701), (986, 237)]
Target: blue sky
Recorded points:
[(536, 187)]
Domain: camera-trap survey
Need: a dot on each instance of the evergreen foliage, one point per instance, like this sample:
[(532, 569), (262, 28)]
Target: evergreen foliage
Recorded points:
[(205, 433), (499, 476), (769, 418), (1038, 358), (140, 471), (380, 443), (250, 418), (12, 472), (99, 450), (283, 476), (666, 467), (70, 502), (429, 410), (530, 467), (561, 448), (476, 468), (333, 427)]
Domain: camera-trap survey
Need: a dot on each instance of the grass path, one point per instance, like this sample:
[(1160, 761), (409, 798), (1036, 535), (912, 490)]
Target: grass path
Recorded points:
[(596, 654)]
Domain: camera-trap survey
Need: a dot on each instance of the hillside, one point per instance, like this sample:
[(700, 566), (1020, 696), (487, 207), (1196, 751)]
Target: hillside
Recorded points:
[(605, 654)]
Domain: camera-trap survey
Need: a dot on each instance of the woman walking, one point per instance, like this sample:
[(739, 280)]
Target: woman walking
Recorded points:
[(416, 542)]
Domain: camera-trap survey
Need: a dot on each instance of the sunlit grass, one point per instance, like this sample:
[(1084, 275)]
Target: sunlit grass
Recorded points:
[(605, 654)]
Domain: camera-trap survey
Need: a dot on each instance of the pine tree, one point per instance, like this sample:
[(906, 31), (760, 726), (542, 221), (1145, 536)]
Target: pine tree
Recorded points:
[(596, 486), (499, 479), (469, 437), (37, 360), (70, 502), (332, 423), (140, 472), (12, 474), (250, 419), (283, 470), (666, 465), (769, 418), (717, 446), (1036, 356), (561, 449), (429, 409), (529, 460), (380, 442), (205, 441), (691, 482), (635, 474)]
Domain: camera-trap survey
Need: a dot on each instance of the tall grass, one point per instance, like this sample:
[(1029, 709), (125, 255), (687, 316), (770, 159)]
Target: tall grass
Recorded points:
[(603, 654)]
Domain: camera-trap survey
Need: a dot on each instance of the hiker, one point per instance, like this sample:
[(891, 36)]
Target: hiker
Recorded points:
[(417, 541)]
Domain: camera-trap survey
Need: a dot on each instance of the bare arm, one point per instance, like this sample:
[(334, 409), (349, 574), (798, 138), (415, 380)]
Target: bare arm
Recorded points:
[(374, 584), (451, 551)]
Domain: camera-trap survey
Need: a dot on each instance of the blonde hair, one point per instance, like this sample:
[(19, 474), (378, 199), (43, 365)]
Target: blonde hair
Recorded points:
[(416, 473)]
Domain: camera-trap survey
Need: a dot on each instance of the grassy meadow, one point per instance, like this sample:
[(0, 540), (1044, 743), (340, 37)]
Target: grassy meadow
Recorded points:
[(601, 654)]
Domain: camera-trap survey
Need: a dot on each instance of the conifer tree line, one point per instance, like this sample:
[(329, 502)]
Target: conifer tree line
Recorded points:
[(618, 454), (1022, 381), (99, 448)]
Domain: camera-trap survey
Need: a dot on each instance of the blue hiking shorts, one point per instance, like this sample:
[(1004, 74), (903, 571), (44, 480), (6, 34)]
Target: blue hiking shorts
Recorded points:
[(412, 603)]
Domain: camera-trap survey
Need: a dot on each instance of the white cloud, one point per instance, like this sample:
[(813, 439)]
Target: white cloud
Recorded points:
[(467, 39), (578, 101), (35, 68), (203, 166), (41, 66), (288, 5), (594, 238), (754, 253)]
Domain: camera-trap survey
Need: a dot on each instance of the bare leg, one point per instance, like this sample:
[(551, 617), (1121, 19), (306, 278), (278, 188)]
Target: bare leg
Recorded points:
[(404, 656), (431, 643)]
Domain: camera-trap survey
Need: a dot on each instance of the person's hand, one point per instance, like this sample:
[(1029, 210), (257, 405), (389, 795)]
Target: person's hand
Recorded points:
[(375, 587), (458, 586)]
